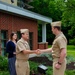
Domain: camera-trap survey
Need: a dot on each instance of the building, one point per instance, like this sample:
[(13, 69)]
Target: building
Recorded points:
[(14, 18)]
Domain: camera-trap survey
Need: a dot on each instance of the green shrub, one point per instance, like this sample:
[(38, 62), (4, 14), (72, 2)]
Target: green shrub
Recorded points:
[(70, 72), (33, 67), (48, 55), (70, 59), (72, 41), (3, 63), (4, 73), (49, 71)]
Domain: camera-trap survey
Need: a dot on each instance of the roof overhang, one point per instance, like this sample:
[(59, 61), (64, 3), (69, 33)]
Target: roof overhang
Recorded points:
[(20, 11)]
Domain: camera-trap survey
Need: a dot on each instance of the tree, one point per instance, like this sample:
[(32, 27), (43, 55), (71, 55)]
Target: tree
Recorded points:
[(49, 8), (68, 18)]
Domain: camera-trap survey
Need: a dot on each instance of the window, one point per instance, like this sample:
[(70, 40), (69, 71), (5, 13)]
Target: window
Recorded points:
[(18, 35), (30, 38), (3, 40)]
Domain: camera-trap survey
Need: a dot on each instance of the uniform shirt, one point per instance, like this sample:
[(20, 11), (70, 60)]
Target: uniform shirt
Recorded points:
[(22, 45), (10, 49), (59, 43)]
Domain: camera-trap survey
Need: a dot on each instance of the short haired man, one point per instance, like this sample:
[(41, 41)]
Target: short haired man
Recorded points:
[(23, 51), (58, 49)]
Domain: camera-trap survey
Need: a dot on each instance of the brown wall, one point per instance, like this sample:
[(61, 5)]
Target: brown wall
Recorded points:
[(15, 23), (43, 45)]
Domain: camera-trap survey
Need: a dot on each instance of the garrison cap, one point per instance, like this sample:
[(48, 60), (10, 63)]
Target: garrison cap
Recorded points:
[(24, 30), (57, 23)]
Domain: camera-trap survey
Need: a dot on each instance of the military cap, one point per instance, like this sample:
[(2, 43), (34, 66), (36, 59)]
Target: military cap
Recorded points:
[(24, 30), (57, 23)]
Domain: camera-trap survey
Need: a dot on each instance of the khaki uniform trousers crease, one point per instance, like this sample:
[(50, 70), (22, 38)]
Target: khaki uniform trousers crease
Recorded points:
[(60, 71), (22, 67)]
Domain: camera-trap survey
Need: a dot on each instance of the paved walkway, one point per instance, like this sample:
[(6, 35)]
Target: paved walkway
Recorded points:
[(32, 55)]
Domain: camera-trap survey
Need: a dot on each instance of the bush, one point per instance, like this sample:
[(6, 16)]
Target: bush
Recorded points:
[(48, 55), (70, 59), (33, 67), (72, 41), (4, 73), (3, 63), (70, 72), (49, 71)]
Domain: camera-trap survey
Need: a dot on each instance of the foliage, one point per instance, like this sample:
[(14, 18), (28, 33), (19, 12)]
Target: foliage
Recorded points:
[(4, 73), (72, 41), (71, 48), (70, 72), (48, 55), (71, 51), (33, 67), (68, 18), (49, 8), (50, 70), (70, 59), (57, 10), (3, 63), (3, 66)]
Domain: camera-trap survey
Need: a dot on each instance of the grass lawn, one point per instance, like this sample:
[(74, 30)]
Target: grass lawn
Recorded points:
[(70, 50)]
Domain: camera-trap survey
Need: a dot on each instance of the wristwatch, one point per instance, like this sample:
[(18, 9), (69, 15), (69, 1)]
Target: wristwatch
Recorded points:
[(59, 63)]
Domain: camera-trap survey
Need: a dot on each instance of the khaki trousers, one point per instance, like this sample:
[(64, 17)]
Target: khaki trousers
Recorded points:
[(61, 71), (22, 67)]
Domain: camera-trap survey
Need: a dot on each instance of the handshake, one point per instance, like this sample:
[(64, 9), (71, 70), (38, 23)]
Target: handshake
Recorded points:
[(38, 51)]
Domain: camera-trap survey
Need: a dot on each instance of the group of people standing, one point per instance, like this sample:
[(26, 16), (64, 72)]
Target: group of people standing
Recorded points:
[(18, 52)]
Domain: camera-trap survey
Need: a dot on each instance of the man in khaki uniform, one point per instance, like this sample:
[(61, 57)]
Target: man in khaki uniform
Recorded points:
[(23, 51), (58, 49)]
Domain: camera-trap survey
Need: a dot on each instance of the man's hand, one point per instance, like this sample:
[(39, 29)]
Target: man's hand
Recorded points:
[(46, 50), (57, 66), (37, 51)]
